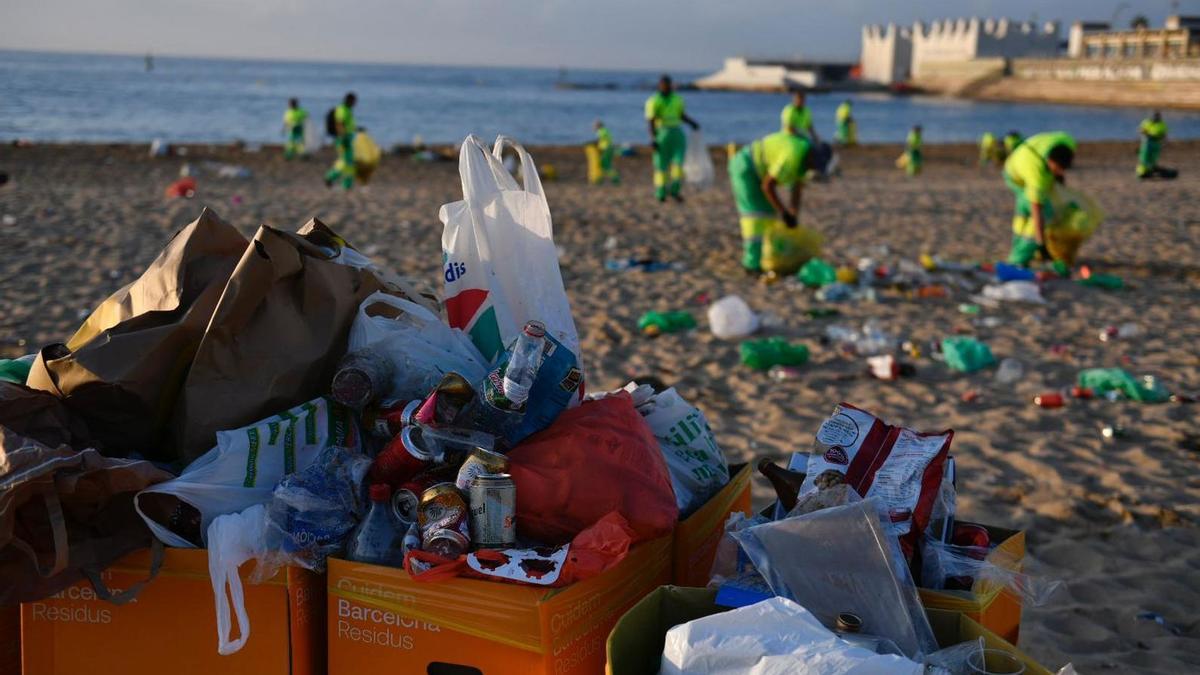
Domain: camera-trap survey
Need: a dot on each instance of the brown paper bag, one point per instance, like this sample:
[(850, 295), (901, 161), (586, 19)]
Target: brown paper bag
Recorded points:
[(122, 370), (275, 337), (65, 515), (41, 416)]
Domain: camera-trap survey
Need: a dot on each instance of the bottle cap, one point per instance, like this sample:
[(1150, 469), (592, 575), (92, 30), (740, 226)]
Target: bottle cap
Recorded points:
[(848, 622), (535, 329), (381, 492)]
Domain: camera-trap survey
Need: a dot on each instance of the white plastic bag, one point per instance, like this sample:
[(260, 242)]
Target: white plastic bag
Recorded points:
[(247, 463), (233, 539), (422, 348), (499, 262), (772, 637), (697, 163), (730, 318), (694, 460)]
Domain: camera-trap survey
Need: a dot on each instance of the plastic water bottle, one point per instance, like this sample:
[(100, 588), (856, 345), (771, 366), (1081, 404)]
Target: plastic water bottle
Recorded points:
[(524, 363), (379, 537)]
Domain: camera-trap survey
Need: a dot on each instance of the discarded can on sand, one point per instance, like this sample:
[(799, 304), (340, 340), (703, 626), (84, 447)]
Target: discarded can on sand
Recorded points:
[(1049, 400)]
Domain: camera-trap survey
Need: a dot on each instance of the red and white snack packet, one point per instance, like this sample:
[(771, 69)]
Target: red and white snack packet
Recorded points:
[(900, 467)]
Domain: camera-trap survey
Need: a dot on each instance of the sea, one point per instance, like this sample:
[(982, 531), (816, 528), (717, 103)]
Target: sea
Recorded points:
[(57, 97)]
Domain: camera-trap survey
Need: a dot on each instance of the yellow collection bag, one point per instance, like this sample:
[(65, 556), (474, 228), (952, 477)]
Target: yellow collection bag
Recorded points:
[(1077, 216), (594, 172), (367, 156), (786, 249)]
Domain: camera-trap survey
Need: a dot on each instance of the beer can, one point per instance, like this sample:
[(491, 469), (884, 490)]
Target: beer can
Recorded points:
[(494, 511), (446, 542), (1049, 400), (406, 501), (442, 507), (479, 462)]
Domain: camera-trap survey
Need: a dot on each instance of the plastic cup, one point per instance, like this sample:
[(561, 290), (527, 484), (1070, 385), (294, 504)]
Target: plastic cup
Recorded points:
[(994, 662)]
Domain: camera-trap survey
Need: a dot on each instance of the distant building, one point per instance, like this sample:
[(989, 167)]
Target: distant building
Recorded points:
[(886, 54), (1178, 38), (775, 75), (970, 39), (891, 54)]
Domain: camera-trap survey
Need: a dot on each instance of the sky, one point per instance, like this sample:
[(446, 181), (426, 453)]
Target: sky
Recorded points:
[(691, 35)]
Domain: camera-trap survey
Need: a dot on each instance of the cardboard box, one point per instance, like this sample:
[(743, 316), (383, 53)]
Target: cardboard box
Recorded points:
[(380, 620), (171, 626), (697, 536), (636, 643), (991, 604)]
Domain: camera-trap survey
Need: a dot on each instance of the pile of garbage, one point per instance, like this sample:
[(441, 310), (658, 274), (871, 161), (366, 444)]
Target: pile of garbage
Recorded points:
[(286, 400)]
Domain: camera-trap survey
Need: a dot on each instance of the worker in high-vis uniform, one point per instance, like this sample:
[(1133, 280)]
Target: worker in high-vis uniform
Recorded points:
[(796, 118), (340, 124), (912, 152), (604, 144), (846, 133), (1032, 172), (1011, 140), (293, 128), (665, 114), (1154, 133), (778, 160), (989, 149)]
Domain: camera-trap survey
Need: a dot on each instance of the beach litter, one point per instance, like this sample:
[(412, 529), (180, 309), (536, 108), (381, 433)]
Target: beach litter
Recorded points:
[(1014, 291), (764, 353), (184, 188), (730, 318), (656, 323), (966, 354), (1116, 382), (817, 273)]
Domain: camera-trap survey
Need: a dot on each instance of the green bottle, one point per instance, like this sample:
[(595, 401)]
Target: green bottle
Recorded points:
[(655, 323), (766, 352)]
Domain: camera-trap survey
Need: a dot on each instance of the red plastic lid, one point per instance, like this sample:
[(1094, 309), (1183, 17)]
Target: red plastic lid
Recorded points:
[(381, 492)]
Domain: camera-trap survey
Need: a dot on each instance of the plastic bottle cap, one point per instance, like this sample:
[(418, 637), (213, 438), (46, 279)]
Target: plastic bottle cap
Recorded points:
[(848, 622), (381, 492), (535, 329)]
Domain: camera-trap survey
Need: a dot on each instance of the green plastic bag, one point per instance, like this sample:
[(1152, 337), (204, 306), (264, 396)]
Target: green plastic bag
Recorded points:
[(817, 273), (1104, 380), (766, 352), (666, 322), (15, 370), (966, 354), (1108, 282)]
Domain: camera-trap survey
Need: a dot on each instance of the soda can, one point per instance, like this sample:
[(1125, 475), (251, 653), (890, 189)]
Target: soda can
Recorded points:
[(391, 418), (444, 404), (480, 461), (401, 459), (1049, 400), (494, 511), (1082, 392), (406, 501), (446, 542), (442, 507)]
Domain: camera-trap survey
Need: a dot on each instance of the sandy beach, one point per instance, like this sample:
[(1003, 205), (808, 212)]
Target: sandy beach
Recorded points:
[(1116, 519)]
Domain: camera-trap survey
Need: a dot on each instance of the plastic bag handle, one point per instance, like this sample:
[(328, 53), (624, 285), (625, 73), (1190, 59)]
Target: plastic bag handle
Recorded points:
[(529, 173), (397, 303), (157, 552), (58, 530), (480, 178), (222, 579)]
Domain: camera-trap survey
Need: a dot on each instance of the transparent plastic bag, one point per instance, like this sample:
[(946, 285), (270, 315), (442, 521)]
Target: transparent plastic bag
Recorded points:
[(698, 168), (996, 567), (953, 660), (728, 563), (843, 559), (312, 512)]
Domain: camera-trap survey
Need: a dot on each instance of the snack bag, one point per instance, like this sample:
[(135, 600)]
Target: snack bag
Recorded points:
[(900, 467)]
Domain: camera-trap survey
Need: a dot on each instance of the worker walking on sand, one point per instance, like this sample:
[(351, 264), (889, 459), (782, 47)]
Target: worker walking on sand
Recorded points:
[(847, 133), (1032, 171), (778, 160), (339, 123), (294, 119), (664, 114), (796, 118), (604, 144), (1154, 132), (989, 149), (912, 152)]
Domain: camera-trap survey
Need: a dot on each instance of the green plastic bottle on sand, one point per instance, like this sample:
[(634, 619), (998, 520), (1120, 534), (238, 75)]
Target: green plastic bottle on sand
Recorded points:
[(766, 352), (655, 323)]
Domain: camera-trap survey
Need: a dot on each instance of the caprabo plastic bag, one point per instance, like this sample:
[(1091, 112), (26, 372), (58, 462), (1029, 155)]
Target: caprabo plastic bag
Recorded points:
[(595, 459), (697, 466), (422, 347)]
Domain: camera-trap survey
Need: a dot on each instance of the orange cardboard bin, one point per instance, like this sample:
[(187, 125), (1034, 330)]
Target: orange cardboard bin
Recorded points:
[(697, 536), (992, 605), (171, 626), (380, 620)]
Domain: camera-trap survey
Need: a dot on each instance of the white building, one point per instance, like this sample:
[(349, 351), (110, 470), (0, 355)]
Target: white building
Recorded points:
[(886, 54), (969, 39), (891, 54)]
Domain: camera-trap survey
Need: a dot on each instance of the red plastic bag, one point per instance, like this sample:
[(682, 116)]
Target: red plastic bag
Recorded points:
[(184, 188), (594, 460)]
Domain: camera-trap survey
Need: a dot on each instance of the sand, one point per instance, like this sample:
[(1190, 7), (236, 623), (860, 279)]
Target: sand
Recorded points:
[(1115, 519)]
